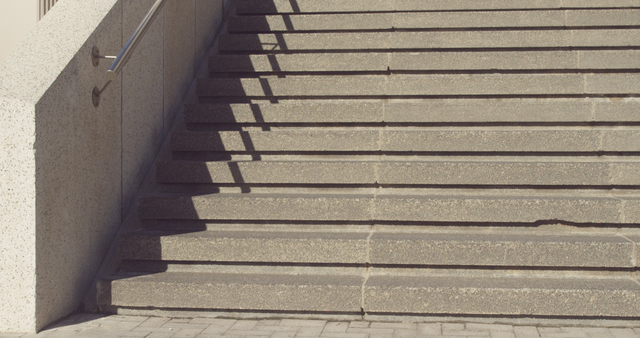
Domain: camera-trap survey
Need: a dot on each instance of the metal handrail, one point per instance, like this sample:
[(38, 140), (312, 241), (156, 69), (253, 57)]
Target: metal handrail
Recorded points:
[(130, 46), (124, 55)]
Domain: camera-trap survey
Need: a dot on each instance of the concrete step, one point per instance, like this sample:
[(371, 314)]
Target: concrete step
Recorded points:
[(313, 6), (436, 20), (430, 40), (427, 206), (459, 139), (427, 61), (502, 295), (424, 85), (419, 111), (354, 294), (212, 291), (400, 247), (465, 171)]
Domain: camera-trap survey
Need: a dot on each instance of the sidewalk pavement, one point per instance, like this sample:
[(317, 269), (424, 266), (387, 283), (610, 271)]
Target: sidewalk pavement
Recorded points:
[(96, 325)]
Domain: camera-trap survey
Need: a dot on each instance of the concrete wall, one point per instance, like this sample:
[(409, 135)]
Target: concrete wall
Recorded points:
[(69, 171), (17, 18)]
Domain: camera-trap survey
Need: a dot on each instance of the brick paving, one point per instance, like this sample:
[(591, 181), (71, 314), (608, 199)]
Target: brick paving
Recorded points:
[(95, 325)]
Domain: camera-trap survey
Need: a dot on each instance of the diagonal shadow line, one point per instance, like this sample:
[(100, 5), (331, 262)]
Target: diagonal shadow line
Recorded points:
[(257, 115), (266, 88), (281, 42), (248, 144), (275, 65), (287, 22), (234, 168), (294, 6)]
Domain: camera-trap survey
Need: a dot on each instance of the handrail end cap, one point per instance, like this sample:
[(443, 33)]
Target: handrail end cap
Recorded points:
[(111, 75)]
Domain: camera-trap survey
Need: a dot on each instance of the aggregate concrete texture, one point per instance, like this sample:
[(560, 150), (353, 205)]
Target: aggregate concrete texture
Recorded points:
[(353, 293), (426, 20), (143, 133), (392, 248), (98, 325), (421, 61), (248, 246), (422, 85), (476, 249), (429, 40), (341, 293), (464, 171), (515, 296), (310, 6), (267, 172), (66, 158), (491, 208), (578, 139), (468, 110), (56, 144)]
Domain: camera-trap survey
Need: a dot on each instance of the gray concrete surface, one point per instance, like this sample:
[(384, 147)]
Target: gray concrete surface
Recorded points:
[(310, 6), (96, 325), (421, 61), (547, 226), (70, 170), (392, 247), (428, 171), (425, 139), (426, 20), (429, 40), (515, 207), (270, 292), (374, 291), (418, 111), (422, 85)]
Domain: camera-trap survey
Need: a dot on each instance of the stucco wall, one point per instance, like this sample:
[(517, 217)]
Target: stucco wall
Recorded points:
[(68, 170)]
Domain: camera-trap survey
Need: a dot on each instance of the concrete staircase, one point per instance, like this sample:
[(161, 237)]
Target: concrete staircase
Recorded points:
[(406, 157)]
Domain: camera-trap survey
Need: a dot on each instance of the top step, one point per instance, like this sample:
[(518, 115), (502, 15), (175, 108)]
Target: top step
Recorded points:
[(333, 6)]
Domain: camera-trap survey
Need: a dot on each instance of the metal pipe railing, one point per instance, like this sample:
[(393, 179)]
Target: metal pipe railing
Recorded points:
[(126, 52), (130, 46)]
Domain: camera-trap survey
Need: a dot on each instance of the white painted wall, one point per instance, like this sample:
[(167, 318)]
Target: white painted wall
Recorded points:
[(17, 18)]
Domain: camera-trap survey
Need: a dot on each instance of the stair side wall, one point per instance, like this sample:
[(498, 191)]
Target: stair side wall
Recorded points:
[(69, 171)]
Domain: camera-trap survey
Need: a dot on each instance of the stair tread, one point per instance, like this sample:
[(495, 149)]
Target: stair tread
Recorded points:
[(481, 139), (232, 291), (425, 111), (429, 40), (484, 207), (539, 171), (427, 61), (413, 20), (311, 6), (404, 157), (392, 294), (424, 85), (494, 248)]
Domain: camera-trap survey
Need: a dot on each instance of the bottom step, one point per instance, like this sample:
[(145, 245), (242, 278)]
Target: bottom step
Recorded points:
[(379, 293)]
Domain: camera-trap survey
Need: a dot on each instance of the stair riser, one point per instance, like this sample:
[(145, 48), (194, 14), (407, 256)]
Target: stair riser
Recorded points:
[(439, 20), (425, 86), (441, 157), (296, 293), (433, 173), (312, 6), (420, 295), (414, 249), (450, 111), (429, 40), (561, 141), (427, 61), (379, 294), (394, 208)]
